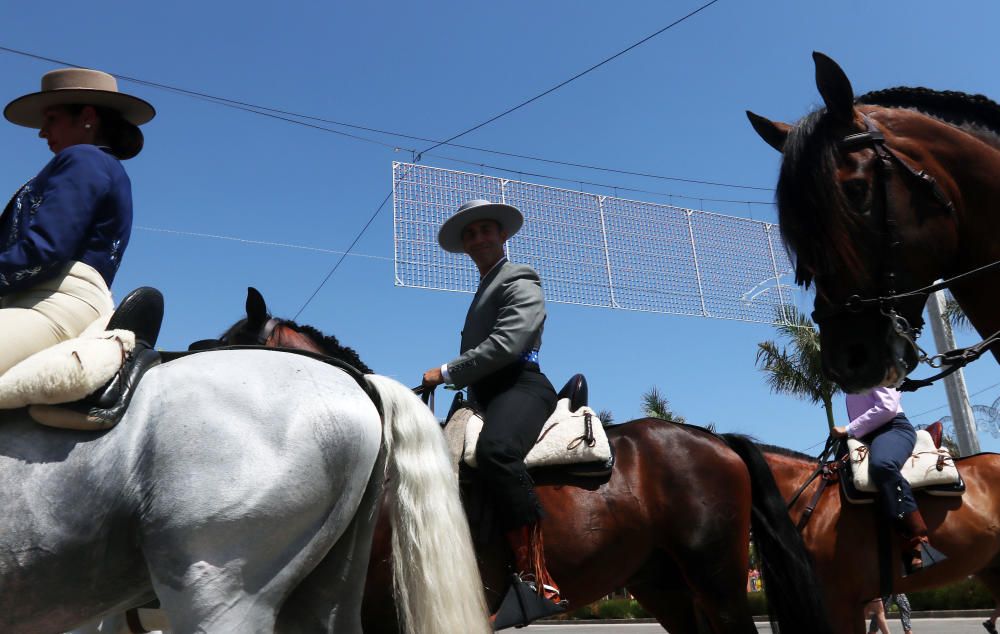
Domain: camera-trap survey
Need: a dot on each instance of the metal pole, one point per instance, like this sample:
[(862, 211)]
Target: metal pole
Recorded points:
[(954, 384)]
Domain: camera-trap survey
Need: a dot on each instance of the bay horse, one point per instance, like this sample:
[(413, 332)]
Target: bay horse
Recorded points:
[(842, 540), (878, 197), (240, 487), (671, 524)]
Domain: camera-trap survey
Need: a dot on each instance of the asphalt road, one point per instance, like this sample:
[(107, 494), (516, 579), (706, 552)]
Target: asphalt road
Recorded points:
[(920, 626)]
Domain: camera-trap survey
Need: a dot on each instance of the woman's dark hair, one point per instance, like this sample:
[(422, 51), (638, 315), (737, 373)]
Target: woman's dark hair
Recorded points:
[(124, 138)]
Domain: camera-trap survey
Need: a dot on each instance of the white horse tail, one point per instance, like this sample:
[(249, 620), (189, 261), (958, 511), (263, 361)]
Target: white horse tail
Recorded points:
[(437, 583)]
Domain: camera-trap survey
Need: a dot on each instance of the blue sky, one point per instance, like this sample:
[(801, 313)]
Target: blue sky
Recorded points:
[(673, 106)]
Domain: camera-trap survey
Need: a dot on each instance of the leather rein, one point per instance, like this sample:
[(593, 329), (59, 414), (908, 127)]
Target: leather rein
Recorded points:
[(828, 471), (886, 303)]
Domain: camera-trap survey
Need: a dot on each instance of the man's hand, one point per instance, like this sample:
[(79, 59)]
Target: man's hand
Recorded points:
[(433, 377), (838, 432)]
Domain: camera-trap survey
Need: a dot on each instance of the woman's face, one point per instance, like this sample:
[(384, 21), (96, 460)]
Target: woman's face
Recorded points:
[(62, 129)]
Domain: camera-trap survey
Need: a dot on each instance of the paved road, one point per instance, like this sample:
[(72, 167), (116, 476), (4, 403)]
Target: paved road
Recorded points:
[(920, 626)]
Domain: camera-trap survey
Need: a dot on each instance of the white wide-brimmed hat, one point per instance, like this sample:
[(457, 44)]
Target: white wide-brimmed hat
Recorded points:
[(82, 86), (450, 235)]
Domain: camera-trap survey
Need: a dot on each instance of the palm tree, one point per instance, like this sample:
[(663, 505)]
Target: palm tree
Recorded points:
[(606, 416), (797, 370), (655, 405), (953, 313)]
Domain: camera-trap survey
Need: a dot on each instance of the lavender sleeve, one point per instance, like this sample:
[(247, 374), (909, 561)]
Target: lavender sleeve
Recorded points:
[(877, 408)]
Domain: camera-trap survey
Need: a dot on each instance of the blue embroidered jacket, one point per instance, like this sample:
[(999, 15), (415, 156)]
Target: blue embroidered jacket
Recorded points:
[(78, 208)]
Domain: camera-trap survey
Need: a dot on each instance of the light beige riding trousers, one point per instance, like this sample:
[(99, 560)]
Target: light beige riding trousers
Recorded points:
[(53, 311)]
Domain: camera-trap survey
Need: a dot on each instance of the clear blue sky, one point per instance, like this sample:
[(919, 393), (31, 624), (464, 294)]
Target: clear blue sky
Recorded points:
[(673, 106)]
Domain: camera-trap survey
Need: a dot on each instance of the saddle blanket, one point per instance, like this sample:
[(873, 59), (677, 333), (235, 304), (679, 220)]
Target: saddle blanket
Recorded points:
[(567, 437), (66, 372), (927, 466)]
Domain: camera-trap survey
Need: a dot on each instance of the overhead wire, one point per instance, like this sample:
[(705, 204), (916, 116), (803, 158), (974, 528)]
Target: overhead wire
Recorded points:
[(574, 77), (940, 407), (416, 155), (283, 115)]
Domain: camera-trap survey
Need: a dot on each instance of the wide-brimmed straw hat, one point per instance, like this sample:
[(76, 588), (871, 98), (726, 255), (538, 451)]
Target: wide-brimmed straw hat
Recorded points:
[(81, 86), (450, 235)]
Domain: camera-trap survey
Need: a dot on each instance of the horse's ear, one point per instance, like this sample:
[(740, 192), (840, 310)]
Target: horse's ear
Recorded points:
[(835, 87), (256, 308), (774, 133)]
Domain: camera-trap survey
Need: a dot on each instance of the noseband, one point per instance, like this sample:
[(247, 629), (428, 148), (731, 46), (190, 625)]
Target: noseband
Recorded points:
[(267, 331)]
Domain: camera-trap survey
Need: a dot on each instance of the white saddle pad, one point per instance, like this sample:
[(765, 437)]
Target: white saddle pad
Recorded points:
[(561, 442), (927, 466), (67, 371)]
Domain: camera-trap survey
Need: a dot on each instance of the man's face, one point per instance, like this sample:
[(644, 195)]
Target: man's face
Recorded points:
[(483, 241)]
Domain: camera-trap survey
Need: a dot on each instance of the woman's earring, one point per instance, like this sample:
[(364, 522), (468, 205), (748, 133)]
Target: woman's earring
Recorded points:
[(86, 125)]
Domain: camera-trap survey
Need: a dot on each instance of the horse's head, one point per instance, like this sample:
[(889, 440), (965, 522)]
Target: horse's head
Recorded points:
[(260, 328), (864, 224), (254, 329)]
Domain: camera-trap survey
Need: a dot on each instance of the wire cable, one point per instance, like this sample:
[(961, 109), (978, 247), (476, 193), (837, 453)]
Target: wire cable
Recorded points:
[(261, 243), (282, 115), (337, 265), (946, 404), (573, 78)]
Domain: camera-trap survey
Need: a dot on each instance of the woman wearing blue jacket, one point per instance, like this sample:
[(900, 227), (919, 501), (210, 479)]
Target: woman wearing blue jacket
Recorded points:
[(64, 232)]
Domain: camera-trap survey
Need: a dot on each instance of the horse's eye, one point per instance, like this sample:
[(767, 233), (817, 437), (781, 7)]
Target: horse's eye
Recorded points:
[(857, 192)]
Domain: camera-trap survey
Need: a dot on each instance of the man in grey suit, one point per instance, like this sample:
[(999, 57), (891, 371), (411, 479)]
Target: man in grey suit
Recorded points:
[(498, 362)]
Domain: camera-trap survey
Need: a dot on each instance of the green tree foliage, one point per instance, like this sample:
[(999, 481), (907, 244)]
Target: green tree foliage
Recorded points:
[(606, 416), (796, 370), (954, 315), (656, 405)]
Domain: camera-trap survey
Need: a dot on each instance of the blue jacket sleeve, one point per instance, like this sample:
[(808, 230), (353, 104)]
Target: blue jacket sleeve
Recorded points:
[(56, 228)]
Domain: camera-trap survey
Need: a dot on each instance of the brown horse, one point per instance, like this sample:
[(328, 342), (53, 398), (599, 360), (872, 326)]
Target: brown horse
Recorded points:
[(878, 197), (671, 524), (841, 537)]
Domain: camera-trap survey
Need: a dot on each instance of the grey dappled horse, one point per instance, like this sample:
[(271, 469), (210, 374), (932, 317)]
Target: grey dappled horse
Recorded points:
[(240, 487)]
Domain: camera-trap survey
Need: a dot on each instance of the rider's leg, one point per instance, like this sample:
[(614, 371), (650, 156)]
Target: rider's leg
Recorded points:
[(51, 312), (890, 447), (512, 423), (25, 332)]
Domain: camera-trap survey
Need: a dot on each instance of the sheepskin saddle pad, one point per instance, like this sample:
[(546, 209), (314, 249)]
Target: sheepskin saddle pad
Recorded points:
[(929, 468), (567, 438)]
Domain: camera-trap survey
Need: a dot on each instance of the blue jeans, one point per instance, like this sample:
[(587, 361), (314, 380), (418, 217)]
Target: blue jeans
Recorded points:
[(890, 446)]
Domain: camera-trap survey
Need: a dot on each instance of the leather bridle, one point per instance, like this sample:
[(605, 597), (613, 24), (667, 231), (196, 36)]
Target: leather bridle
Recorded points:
[(889, 162)]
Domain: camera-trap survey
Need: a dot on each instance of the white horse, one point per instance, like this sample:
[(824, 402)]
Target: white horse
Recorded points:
[(240, 487)]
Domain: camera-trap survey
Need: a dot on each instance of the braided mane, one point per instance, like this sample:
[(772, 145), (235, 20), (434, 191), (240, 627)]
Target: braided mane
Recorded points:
[(813, 213), (976, 114)]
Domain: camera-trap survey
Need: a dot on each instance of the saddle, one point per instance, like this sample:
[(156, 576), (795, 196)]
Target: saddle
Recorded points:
[(930, 469), (572, 439), (86, 383)]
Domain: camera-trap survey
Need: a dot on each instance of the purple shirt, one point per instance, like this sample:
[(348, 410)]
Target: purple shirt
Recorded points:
[(872, 409)]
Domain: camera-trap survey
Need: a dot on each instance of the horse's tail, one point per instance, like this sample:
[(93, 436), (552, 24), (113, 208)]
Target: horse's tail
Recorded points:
[(794, 595), (437, 583)]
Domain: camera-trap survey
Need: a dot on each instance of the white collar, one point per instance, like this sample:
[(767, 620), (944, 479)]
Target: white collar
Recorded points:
[(493, 268)]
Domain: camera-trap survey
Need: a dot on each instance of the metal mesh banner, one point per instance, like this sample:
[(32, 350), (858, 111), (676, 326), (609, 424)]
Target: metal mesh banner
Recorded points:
[(598, 250)]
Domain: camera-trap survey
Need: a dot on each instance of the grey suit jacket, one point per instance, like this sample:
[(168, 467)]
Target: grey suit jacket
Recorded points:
[(504, 321)]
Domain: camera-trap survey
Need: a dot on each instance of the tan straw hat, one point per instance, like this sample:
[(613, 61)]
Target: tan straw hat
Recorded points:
[(450, 234), (77, 86)]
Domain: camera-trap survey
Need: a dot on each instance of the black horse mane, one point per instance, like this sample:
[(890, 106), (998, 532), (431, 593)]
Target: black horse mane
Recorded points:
[(812, 212), (329, 343)]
